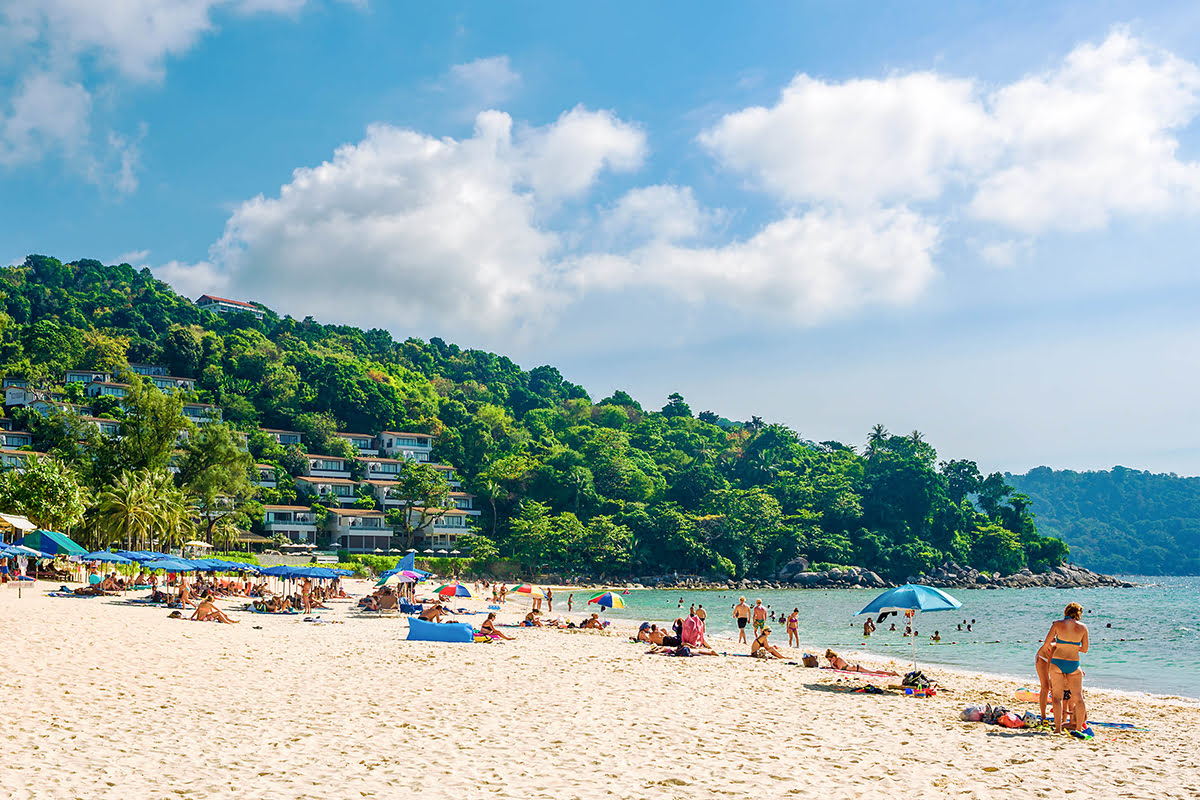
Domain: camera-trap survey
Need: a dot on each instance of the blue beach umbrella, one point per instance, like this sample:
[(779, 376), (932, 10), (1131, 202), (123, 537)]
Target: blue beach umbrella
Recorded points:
[(107, 557), (911, 597), (170, 565), (14, 550)]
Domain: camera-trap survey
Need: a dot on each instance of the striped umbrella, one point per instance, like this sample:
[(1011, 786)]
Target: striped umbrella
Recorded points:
[(528, 589), (608, 600), (454, 590)]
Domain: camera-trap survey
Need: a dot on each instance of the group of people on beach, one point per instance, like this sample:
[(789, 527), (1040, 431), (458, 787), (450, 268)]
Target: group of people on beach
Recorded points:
[(1060, 678)]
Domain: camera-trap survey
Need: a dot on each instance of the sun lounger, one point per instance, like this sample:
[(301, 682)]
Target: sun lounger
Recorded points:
[(388, 604)]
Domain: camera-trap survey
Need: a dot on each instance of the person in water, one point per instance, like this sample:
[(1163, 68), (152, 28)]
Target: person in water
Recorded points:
[(1068, 638)]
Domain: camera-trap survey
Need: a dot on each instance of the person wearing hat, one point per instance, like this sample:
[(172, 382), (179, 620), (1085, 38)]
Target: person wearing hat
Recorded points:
[(762, 648)]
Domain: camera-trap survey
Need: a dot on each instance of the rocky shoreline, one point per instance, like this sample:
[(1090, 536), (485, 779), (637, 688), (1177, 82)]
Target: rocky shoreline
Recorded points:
[(797, 575)]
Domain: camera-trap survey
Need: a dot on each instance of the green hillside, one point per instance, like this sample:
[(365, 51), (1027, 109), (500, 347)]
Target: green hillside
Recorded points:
[(1120, 520), (567, 482)]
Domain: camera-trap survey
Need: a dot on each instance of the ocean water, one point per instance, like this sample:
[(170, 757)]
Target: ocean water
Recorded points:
[(1153, 644)]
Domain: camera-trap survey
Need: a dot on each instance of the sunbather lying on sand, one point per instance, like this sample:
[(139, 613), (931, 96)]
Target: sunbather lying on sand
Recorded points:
[(837, 662), (683, 650), (88, 591)]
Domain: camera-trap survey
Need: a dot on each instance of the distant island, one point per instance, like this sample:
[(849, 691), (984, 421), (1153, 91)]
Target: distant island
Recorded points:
[(251, 427), (1119, 520)]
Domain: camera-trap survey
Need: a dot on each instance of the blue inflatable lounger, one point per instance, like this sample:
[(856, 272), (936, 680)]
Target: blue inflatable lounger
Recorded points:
[(421, 631)]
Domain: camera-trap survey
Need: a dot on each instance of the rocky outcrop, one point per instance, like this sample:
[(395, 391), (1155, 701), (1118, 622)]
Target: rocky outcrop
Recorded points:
[(797, 575)]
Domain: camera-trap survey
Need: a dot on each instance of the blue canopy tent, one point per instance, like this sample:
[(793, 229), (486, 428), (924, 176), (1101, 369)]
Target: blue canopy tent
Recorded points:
[(52, 543), (911, 597)]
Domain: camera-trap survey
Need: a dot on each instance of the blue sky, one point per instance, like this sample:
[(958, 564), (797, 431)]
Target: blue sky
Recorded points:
[(974, 221)]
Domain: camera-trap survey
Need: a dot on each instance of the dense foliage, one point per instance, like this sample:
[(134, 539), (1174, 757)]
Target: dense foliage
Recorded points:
[(566, 483), (1120, 520)]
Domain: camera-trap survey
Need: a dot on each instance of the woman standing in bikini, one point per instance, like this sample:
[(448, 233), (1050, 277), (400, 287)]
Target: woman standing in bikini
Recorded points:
[(1065, 641)]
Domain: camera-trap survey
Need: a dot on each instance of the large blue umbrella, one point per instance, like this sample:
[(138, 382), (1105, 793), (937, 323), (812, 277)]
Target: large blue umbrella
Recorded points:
[(911, 597), (107, 557), (141, 555), (14, 550), (170, 565)]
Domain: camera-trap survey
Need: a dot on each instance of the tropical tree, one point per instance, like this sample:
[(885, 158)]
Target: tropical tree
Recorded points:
[(46, 491), (214, 472), (126, 512), (424, 498)]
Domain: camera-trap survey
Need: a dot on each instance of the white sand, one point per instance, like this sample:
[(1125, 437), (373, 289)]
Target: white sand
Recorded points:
[(105, 700)]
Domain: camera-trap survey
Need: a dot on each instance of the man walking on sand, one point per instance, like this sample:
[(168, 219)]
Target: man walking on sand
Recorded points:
[(741, 613)]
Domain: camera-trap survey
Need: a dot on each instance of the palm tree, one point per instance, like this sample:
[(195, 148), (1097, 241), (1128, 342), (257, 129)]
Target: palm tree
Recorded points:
[(125, 510), (877, 437), (141, 507), (173, 516)]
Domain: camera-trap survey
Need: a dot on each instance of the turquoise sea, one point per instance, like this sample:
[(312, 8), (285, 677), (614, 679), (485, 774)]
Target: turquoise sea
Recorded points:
[(1152, 646)]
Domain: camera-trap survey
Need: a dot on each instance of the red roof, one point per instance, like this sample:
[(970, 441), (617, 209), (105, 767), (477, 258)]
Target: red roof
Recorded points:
[(224, 300)]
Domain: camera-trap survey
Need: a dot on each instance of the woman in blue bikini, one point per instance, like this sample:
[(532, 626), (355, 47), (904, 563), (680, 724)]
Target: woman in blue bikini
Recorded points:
[(1069, 637)]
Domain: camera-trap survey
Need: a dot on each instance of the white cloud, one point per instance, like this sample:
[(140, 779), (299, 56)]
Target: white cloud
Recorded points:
[(134, 37), (45, 114), (564, 158), (63, 50), (415, 230), (805, 268), (665, 213), (858, 142), (193, 280), (1093, 139), (136, 258), (1065, 150), (487, 81), (1003, 253)]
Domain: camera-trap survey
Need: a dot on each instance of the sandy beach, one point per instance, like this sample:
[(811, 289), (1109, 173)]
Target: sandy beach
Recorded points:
[(107, 700)]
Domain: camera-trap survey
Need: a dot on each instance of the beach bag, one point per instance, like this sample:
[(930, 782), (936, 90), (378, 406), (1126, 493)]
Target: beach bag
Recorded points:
[(1011, 720), (691, 631), (916, 679), (973, 714), (810, 660), (993, 714)]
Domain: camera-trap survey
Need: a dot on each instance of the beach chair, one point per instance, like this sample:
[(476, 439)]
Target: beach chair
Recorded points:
[(388, 604), (410, 608)]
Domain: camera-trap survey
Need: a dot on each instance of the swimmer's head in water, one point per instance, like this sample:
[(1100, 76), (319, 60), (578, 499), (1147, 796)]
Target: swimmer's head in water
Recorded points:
[(1073, 610)]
